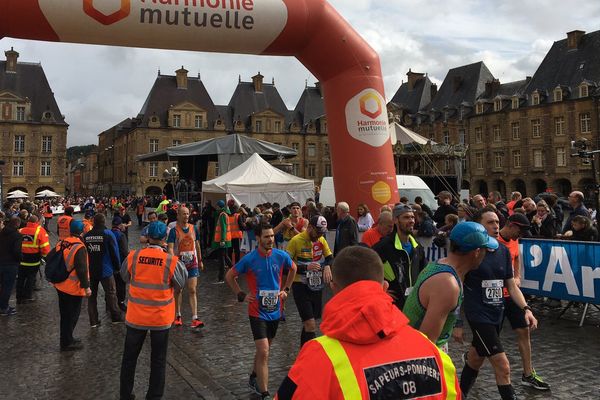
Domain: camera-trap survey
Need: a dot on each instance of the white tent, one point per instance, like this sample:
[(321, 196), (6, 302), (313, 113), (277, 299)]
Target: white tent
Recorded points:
[(17, 194), (403, 135), (255, 182), (46, 193)]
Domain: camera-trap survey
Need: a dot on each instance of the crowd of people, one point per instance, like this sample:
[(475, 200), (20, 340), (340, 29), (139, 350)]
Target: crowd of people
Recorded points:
[(377, 260)]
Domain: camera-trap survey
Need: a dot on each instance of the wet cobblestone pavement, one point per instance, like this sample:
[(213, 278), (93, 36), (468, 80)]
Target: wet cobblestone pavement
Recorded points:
[(213, 363)]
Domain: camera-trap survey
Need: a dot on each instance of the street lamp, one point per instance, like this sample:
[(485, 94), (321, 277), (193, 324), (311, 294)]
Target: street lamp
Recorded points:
[(580, 148)]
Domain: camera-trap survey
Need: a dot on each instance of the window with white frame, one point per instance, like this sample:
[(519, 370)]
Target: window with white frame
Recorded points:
[(558, 94), (446, 137), (561, 157), (585, 122), (199, 122), (18, 168), (176, 142), (20, 113), (153, 169), (516, 156), (536, 131), (311, 170), (479, 108), (496, 132), (176, 120), (515, 103), (217, 169), (583, 91), (535, 99), (326, 150), (153, 145), (45, 168), (515, 130), (538, 158), (327, 169), (311, 150), (559, 125), (479, 160), (295, 146), (478, 134), (296, 169), (462, 136), (258, 126), (277, 127), (46, 144), (497, 105), (498, 159), (19, 143)]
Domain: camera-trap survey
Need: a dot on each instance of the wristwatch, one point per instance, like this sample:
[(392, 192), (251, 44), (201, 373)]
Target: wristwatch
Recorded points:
[(287, 289), (526, 308)]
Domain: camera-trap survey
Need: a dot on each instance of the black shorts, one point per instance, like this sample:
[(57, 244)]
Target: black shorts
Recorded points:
[(514, 314), (262, 329), (308, 302), (486, 339)]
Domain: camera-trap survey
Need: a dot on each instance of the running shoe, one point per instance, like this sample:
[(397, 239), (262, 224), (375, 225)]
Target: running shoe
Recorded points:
[(254, 385), (8, 312), (197, 323), (265, 396), (464, 357), (178, 321), (534, 381)]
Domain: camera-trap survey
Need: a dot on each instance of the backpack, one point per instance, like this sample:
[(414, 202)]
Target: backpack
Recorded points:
[(56, 269)]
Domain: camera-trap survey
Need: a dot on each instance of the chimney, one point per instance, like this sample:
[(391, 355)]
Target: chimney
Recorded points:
[(413, 78), (456, 82), (11, 60), (319, 88), (573, 39), (182, 78), (491, 87), (257, 81), (433, 90)]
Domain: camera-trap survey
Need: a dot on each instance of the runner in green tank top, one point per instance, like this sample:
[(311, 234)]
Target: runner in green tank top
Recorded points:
[(438, 292)]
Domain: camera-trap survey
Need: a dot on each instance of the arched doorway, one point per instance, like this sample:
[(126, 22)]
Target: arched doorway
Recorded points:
[(586, 186), (481, 187), (153, 191), (562, 186), (518, 185), (539, 186), (500, 186), (21, 188)]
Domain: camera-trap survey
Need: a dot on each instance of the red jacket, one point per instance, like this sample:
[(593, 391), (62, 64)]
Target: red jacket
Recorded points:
[(388, 359)]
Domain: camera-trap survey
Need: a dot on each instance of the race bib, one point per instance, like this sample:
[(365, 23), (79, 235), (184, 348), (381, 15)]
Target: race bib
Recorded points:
[(314, 280), (269, 300), (492, 291), (188, 258)]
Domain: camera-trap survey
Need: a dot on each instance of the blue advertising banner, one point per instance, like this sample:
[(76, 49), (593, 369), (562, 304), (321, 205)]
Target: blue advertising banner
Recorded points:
[(565, 270)]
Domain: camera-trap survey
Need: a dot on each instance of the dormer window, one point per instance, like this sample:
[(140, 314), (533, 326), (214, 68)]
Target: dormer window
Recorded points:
[(461, 114), (515, 103), (535, 99), (558, 94), (583, 90), (445, 115), (479, 108), (497, 105)]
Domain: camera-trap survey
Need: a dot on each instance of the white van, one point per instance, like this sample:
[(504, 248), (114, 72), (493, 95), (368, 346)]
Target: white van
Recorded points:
[(408, 185)]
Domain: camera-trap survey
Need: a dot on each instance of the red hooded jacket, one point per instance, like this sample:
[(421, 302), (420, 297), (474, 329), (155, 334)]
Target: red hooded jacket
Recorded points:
[(389, 359)]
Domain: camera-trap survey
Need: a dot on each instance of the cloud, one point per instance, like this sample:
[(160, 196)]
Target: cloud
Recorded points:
[(98, 86)]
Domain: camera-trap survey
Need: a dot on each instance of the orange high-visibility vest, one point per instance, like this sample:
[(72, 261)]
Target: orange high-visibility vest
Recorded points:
[(72, 285), (219, 236), (234, 227), (151, 304), (35, 244), (47, 211), (185, 246), (87, 225), (64, 226)]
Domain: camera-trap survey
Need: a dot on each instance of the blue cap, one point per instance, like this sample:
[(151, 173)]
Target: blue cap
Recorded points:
[(469, 236), (117, 220), (220, 204), (157, 230), (76, 227)]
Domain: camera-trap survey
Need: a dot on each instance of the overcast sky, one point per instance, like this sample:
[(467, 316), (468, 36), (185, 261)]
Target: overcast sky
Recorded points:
[(96, 86)]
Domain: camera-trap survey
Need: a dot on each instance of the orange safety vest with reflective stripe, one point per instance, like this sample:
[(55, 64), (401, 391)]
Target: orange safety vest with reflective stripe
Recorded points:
[(47, 211), (151, 304), (64, 226), (234, 227), (35, 244), (219, 235), (87, 225), (71, 285)]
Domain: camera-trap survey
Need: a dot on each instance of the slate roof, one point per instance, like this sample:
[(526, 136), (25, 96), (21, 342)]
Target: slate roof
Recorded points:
[(310, 107), (416, 99), (472, 80), (164, 94), (563, 66), (246, 102), (506, 90), (225, 113), (30, 81), (122, 127)]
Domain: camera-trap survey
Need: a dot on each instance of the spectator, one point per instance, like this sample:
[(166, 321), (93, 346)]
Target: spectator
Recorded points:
[(543, 223), (514, 198), (583, 230), (576, 202), (445, 208), (10, 258), (347, 230), (424, 226), (478, 201), (385, 225), (424, 207), (495, 198), (365, 220)]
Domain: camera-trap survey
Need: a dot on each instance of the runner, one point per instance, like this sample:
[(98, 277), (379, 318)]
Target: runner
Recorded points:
[(484, 307), (264, 268), (437, 294), (293, 225), (308, 250), (184, 242)]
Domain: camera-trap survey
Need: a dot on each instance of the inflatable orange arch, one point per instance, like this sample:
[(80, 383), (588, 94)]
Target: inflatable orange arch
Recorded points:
[(311, 30)]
